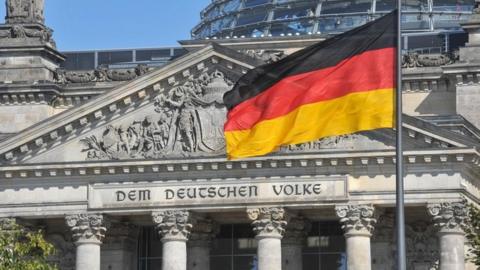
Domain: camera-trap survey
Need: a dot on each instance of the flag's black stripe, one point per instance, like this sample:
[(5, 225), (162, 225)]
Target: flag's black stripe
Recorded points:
[(377, 34)]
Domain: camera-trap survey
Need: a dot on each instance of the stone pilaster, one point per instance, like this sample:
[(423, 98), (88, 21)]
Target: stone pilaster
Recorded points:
[(119, 250), (174, 227), (88, 231), (198, 255), (293, 242), (269, 226), (358, 223), (449, 219)]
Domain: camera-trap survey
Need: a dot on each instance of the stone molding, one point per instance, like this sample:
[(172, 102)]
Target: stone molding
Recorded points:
[(356, 219), (203, 231), (87, 227), (173, 225), (449, 216), (383, 158), (296, 231), (268, 221)]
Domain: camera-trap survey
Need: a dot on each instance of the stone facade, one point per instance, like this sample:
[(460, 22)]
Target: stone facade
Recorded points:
[(148, 153)]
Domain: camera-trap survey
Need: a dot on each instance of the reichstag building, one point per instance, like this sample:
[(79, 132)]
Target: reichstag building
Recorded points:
[(119, 155)]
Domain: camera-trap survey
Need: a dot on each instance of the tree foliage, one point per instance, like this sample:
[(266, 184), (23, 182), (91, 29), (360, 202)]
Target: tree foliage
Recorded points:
[(473, 234), (23, 249)]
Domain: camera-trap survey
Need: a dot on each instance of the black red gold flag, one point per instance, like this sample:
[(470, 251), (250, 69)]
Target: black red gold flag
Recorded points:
[(342, 85)]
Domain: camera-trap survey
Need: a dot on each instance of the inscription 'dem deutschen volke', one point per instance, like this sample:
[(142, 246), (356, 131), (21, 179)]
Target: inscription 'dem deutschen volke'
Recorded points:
[(220, 192)]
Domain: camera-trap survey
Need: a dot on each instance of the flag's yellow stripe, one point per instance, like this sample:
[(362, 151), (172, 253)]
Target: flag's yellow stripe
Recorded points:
[(348, 114)]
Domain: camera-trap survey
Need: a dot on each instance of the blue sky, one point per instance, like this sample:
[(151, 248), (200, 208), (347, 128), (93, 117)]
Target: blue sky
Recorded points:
[(112, 24)]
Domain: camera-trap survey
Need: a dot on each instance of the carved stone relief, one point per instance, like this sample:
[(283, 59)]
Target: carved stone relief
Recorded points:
[(18, 31), (25, 11), (411, 60), (101, 74), (173, 224), (449, 216), (268, 56), (356, 218), (187, 121), (268, 221), (87, 227)]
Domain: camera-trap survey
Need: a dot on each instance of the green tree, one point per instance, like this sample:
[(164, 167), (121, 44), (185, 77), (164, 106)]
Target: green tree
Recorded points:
[(22, 248), (473, 233)]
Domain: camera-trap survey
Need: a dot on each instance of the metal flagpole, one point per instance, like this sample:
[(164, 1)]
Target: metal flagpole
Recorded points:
[(400, 208)]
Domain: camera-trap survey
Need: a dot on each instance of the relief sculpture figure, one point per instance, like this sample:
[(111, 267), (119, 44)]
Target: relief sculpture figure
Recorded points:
[(187, 121)]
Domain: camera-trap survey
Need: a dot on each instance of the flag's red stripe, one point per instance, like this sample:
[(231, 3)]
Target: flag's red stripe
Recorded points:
[(370, 70)]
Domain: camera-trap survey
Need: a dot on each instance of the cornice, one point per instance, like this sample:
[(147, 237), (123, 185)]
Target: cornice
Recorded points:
[(221, 164)]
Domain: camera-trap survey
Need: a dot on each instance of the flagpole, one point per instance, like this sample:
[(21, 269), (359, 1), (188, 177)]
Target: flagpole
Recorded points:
[(400, 204)]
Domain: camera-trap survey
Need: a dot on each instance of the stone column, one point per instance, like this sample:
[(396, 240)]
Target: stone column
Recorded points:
[(198, 246), (293, 242), (449, 218), (88, 231), (269, 225), (358, 224), (174, 227)]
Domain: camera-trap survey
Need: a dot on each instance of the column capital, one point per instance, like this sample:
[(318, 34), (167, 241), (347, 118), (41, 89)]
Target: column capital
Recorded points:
[(203, 231), (296, 231), (87, 228), (356, 219), (268, 221), (173, 225), (449, 216)]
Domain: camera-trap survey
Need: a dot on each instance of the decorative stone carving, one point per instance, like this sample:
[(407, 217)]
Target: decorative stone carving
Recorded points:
[(101, 74), (268, 56), (411, 60), (173, 224), (25, 11), (268, 221), (20, 31), (422, 246), (356, 218), (449, 215), (346, 142), (188, 122), (87, 227), (296, 231), (203, 231)]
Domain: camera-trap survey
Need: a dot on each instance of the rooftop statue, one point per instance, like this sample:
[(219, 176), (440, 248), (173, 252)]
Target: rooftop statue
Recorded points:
[(24, 11)]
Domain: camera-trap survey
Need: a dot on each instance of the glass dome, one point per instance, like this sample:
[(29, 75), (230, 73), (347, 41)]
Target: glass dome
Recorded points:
[(256, 18)]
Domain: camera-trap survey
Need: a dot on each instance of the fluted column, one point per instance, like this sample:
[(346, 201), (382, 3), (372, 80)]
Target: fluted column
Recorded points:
[(269, 226), (357, 223), (88, 231), (449, 218), (174, 227), (293, 242), (198, 246)]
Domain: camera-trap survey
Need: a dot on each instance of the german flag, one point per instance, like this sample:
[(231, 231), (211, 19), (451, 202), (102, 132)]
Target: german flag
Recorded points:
[(339, 86)]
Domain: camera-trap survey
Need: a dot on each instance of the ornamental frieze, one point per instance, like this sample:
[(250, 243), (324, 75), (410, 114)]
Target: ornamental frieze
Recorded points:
[(186, 122)]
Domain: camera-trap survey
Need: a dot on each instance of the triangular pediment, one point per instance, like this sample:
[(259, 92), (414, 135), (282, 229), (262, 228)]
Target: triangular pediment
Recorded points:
[(177, 112)]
